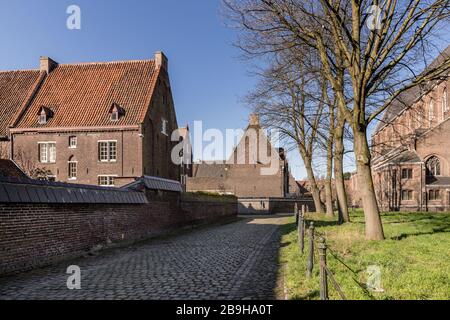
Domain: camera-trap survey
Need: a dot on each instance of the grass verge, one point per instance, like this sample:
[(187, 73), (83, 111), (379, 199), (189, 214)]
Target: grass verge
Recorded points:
[(414, 259)]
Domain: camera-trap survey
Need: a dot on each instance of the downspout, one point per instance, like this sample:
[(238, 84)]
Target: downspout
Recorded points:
[(421, 187), (122, 155), (11, 147)]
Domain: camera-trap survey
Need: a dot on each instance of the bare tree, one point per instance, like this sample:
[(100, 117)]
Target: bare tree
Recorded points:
[(30, 166), (290, 98), (376, 52)]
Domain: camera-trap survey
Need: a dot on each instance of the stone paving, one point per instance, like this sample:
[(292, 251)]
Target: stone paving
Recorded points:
[(233, 261)]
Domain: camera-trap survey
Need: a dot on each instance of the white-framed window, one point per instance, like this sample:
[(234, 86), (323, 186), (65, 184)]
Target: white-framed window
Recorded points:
[(73, 170), (47, 152), (164, 124), (73, 142), (107, 151), (42, 118), (115, 115), (106, 181)]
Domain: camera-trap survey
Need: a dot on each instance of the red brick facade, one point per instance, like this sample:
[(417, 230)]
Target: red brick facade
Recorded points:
[(78, 103), (411, 157), (245, 174)]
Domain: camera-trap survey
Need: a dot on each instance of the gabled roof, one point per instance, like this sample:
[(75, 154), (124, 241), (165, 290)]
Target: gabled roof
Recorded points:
[(81, 95), (15, 89)]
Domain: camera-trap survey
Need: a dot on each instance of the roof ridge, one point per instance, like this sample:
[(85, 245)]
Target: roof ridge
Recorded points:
[(19, 70), (104, 63)]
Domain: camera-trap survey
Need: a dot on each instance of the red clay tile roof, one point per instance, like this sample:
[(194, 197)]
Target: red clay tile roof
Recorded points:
[(15, 88), (81, 95)]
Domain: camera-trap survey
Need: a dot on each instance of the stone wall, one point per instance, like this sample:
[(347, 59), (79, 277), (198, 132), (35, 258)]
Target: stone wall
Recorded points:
[(266, 206), (35, 235)]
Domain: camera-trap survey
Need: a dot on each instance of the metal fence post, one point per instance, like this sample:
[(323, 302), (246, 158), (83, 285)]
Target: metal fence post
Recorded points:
[(311, 251), (322, 246)]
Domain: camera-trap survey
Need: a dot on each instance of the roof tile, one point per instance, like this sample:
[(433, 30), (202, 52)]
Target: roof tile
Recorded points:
[(81, 95)]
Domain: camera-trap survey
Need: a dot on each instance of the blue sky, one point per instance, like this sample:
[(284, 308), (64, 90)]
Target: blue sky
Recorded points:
[(208, 78)]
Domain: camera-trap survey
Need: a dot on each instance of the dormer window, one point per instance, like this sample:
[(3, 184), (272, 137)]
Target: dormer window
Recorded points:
[(115, 116), (116, 112), (42, 118), (44, 115)]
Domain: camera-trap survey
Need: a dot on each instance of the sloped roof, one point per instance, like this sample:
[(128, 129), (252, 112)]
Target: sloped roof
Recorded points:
[(403, 101), (398, 156), (9, 169), (154, 183), (408, 97), (407, 156), (81, 95), (13, 190), (15, 88), (438, 181)]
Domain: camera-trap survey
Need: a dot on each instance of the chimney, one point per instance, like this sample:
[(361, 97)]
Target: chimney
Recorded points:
[(254, 120), (161, 60), (47, 64)]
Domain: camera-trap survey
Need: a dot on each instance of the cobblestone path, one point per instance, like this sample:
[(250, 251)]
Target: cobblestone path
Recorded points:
[(232, 261)]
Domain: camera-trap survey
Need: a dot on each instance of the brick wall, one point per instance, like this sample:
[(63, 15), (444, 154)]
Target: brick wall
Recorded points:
[(89, 167), (262, 206), (35, 235), (242, 181), (4, 149)]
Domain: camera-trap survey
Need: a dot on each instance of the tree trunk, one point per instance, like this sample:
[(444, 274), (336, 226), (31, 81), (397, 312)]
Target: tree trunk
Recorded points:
[(374, 227), (313, 184), (328, 189), (329, 198), (341, 193)]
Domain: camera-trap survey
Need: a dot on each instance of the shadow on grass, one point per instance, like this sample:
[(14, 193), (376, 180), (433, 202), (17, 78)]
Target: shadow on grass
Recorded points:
[(428, 224), (315, 294), (416, 234)]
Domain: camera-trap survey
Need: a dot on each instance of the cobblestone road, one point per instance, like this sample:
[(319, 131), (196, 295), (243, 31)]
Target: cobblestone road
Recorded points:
[(233, 261)]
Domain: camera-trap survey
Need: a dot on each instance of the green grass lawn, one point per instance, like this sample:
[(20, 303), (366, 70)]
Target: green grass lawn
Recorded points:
[(414, 260)]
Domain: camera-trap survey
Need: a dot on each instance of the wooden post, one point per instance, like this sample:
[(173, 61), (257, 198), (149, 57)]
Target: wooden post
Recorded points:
[(310, 266), (296, 212), (322, 246), (301, 233), (303, 210)]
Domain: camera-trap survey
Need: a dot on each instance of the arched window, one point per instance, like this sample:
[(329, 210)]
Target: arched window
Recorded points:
[(431, 111), (433, 167), (444, 103), (73, 168)]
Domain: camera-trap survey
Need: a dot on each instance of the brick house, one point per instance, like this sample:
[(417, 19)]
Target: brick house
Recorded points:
[(411, 150), (243, 174), (100, 123)]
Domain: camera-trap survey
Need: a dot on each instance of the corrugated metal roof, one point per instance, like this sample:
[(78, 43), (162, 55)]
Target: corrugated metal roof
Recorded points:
[(154, 183), (34, 191)]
